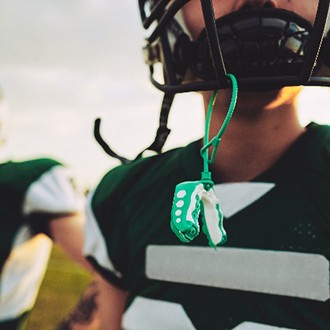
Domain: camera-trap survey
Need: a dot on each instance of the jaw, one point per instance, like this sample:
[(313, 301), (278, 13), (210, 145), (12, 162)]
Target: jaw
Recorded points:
[(256, 102)]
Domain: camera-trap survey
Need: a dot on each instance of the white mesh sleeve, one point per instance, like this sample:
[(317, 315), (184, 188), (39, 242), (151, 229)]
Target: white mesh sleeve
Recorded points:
[(53, 192)]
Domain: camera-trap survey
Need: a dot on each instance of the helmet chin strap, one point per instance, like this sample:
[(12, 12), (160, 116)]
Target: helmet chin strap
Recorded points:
[(162, 133), (192, 198)]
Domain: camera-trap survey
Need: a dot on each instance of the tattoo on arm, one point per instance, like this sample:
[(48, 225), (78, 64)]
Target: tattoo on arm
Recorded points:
[(84, 312)]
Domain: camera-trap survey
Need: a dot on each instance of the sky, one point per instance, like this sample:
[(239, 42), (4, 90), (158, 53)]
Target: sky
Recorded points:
[(64, 63)]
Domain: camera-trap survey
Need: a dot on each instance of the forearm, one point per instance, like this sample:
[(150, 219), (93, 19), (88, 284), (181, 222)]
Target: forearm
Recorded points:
[(111, 303), (84, 314), (67, 232), (100, 308)]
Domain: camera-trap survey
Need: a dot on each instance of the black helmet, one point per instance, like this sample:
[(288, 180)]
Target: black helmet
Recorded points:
[(263, 48)]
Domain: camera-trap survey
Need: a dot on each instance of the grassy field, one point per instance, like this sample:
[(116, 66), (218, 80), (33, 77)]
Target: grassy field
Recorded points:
[(63, 284)]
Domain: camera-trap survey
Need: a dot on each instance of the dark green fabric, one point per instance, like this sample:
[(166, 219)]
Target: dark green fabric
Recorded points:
[(132, 206), (15, 179), (19, 323)]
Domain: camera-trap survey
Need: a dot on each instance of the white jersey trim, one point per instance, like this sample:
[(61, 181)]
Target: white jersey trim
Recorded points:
[(53, 193), (150, 314), (273, 272), (94, 242), (257, 326), (236, 196), (21, 276), (23, 234)]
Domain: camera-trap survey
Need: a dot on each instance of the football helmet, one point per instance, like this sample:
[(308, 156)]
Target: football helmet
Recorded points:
[(265, 48)]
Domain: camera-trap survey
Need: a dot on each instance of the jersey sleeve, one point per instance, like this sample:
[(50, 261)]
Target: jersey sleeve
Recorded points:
[(105, 235), (96, 248), (109, 230), (53, 193)]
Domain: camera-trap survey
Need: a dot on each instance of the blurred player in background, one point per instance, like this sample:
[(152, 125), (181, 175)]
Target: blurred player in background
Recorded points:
[(39, 204)]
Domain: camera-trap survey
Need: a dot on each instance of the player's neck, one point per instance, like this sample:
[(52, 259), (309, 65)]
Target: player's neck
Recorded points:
[(254, 140)]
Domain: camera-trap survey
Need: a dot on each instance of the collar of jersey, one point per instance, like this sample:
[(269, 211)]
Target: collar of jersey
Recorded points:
[(311, 150)]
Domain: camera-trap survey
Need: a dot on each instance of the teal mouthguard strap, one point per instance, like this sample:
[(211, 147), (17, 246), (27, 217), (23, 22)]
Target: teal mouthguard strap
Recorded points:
[(193, 198)]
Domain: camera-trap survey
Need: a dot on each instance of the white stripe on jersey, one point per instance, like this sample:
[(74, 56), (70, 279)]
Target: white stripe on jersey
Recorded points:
[(23, 234), (236, 196), (53, 192), (274, 272), (94, 241), (21, 276), (150, 314), (257, 326)]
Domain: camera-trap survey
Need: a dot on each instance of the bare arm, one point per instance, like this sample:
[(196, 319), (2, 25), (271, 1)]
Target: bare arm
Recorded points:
[(100, 308), (102, 305), (84, 316), (67, 232), (111, 303)]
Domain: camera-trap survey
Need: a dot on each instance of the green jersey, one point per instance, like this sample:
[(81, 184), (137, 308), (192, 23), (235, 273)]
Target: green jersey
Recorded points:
[(273, 271), (31, 193)]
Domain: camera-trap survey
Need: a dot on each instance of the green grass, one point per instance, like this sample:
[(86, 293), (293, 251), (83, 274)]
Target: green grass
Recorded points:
[(62, 286)]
